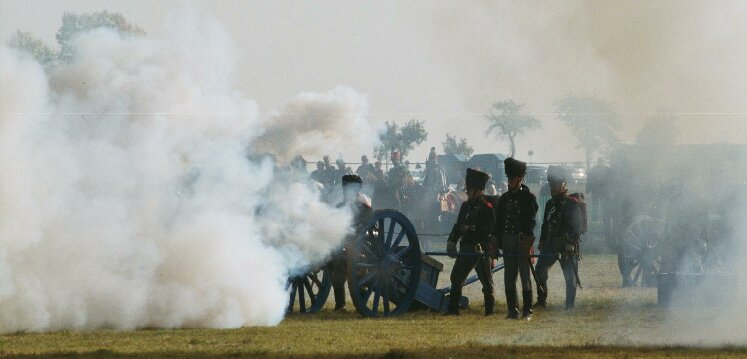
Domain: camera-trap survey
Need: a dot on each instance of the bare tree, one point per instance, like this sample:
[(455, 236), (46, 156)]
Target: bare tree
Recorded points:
[(506, 120), (593, 121)]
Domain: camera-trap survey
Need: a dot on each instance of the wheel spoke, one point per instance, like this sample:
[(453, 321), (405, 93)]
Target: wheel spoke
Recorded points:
[(399, 279), (366, 294), (401, 252), (377, 296), (367, 278), (312, 297), (398, 240), (370, 251), (389, 234), (637, 274), (385, 297), (381, 230), (368, 265), (314, 278), (292, 295), (302, 299)]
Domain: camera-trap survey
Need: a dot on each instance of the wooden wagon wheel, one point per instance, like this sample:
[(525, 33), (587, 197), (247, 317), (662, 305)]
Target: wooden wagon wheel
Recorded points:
[(384, 265), (310, 290), (641, 256)]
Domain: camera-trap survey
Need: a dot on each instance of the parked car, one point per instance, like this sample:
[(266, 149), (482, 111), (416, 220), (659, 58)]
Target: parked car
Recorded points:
[(536, 175), (578, 175)]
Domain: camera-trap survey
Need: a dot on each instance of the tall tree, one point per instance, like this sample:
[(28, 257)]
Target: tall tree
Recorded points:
[(454, 146), (506, 120), (593, 121), (402, 139), (26, 41), (73, 24), (658, 131)]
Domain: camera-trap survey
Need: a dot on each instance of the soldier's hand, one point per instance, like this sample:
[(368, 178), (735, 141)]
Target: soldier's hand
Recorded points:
[(451, 248)]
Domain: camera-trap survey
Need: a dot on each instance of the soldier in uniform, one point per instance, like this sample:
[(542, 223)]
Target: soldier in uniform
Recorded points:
[(515, 221), (473, 226), (435, 178), (399, 172), (360, 204), (560, 233), (366, 169), (319, 174)]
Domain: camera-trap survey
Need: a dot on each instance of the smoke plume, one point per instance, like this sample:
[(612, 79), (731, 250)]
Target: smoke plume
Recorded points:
[(126, 196)]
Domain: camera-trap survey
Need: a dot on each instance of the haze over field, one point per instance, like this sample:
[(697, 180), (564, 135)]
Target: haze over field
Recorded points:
[(126, 168), (446, 63)]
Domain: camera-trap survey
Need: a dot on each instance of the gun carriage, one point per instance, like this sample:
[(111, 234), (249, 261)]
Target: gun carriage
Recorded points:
[(388, 274), (671, 211)]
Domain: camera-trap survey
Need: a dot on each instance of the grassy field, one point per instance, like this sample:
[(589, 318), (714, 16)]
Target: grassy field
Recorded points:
[(609, 322)]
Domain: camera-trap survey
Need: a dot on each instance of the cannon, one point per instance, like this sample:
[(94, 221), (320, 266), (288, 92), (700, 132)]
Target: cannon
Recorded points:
[(670, 215), (388, 274)]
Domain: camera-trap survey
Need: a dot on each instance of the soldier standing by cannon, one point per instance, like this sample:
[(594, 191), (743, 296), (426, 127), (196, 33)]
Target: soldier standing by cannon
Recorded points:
[(561, 231), (473, 226), (515, 221), (362, 210)]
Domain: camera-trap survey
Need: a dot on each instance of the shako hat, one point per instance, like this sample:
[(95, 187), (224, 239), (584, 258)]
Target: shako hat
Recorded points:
[(555, 174), (348, 179), (476, 179), (514, 168)]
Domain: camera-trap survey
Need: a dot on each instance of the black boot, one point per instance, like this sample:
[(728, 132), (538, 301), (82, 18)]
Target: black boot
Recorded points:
[(339, 298), (541, 296), (489, 305), (526, 297), (513, 311), (453, 308)]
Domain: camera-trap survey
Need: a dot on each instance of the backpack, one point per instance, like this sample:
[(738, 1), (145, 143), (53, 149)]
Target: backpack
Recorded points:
[(579, 199)]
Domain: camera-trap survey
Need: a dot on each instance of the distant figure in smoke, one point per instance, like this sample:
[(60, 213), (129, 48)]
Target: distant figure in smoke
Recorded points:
[(561, 231), (398, 180), (366, 169), (342, 169), (435, 178), (399, 172), (360, 204), (319, 175), (597, 186), (298, 165), (378, 171), (472, 230), (515, 221)]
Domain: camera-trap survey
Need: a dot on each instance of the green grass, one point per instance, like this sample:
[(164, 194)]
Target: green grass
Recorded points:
[(610, 322)]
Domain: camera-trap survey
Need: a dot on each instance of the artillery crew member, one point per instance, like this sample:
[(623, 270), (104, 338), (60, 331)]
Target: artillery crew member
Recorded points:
[(361, 206), (561, 231), (473, 227), (515, 221)]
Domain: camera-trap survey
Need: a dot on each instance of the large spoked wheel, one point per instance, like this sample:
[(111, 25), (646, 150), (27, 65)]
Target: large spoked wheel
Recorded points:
[(641, 252), (384, 265), (309, 292)]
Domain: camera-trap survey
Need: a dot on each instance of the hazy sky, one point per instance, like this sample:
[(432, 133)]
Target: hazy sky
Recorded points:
[(446, 62)]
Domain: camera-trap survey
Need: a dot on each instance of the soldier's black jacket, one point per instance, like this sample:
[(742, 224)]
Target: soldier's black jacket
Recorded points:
[(516, 212), (478, 215), (562, 222)]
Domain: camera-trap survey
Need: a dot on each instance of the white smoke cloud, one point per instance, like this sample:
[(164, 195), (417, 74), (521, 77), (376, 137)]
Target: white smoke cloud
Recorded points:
[(126, 197), (320, 123)]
